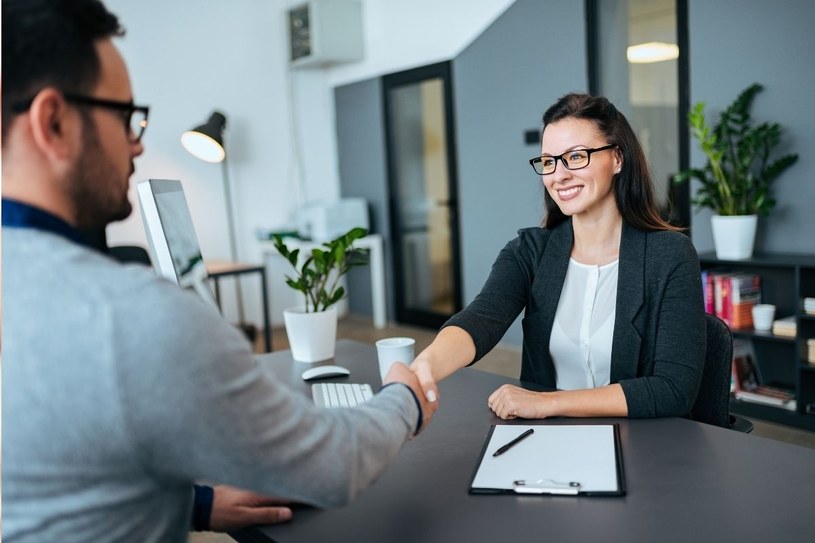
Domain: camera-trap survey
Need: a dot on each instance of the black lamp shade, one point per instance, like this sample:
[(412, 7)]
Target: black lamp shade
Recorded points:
[(206, 142)]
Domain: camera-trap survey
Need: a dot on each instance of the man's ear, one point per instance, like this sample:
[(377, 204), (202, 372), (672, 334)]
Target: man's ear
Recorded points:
[(55, 127)]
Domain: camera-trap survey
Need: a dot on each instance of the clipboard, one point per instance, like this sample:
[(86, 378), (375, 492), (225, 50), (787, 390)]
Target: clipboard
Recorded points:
[(568, 460)]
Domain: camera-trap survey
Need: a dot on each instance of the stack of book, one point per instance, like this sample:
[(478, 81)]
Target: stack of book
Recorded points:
[(766, 395), (731, 296), (809, 306), (785, 327), (747, 385), (811, 351)]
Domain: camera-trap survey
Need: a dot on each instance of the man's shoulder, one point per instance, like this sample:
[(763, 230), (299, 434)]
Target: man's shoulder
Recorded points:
[(48, 261)]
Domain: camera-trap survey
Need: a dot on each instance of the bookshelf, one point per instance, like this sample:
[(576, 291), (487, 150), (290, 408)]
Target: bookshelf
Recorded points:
[(786, 279)]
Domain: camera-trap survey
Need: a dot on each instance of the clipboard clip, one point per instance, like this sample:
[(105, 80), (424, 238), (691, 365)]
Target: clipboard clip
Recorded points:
[(546, 486)]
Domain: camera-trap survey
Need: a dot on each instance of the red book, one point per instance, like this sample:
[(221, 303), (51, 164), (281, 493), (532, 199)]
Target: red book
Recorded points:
[(745, 292), (727, 302)]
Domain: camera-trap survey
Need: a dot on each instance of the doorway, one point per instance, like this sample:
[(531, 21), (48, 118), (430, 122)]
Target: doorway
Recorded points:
[(422, 179), (638, 59)]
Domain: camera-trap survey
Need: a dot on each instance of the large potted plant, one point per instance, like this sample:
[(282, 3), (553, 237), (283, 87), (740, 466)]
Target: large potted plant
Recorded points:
[(736, 180), (312, 327)]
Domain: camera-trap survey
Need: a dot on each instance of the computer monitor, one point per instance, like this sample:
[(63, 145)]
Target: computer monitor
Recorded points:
[(174, 247)]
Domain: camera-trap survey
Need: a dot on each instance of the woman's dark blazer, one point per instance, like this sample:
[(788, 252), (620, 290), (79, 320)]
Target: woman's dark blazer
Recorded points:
[(658, 348)]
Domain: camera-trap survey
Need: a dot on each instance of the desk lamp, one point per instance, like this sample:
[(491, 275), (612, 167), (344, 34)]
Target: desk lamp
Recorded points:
[(206, 142)]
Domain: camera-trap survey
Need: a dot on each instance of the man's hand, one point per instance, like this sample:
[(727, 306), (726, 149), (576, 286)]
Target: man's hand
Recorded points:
[(399, 373), (233, 509)]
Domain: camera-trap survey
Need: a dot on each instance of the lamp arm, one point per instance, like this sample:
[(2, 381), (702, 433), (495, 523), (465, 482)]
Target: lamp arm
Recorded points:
[(233, 246)]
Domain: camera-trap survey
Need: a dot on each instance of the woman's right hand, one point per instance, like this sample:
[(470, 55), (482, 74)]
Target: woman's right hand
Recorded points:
[(424, 373)]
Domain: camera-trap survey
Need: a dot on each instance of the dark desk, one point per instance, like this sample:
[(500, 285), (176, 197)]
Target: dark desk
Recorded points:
[(216, 270), (686, 482)]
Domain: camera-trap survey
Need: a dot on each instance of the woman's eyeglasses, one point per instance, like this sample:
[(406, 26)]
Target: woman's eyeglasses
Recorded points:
[(572, 160)]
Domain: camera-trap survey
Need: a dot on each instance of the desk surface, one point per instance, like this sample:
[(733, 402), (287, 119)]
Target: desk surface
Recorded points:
[(686, 481)]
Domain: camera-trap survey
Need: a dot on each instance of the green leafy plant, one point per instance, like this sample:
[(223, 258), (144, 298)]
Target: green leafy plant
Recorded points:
[(319, 275), (737, 177)]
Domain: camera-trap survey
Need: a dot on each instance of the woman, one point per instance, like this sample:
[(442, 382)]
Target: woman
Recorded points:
[(611, 293)]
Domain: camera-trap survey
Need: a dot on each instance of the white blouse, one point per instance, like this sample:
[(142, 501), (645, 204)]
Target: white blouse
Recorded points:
[(580, 344)]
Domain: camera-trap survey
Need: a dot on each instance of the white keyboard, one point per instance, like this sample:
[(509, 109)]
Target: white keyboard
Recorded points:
[(341, 394)]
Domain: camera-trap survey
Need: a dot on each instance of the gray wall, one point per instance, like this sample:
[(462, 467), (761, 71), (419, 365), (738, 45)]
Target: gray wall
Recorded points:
[(734, 43), (526, 59), (363, 173), (503, 82)]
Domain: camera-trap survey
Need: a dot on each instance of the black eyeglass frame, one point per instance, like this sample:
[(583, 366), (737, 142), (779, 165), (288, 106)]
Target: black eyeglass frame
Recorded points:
[(129, 108), (560, 158)]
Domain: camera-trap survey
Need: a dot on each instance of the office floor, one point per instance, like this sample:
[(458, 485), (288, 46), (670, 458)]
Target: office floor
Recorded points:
[(503, 361)]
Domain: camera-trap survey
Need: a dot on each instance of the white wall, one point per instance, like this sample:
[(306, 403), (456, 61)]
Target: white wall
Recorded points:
[(188, 58), (404, 34)]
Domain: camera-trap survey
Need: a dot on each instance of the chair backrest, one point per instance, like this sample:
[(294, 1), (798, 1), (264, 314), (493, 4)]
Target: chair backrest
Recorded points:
[(130, 253), (712, 405)]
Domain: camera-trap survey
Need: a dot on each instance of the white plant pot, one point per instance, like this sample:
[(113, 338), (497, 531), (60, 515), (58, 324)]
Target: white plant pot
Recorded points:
[(734, 236), (312, 336)]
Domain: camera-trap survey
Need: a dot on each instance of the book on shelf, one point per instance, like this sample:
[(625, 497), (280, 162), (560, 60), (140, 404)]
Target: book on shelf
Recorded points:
[(809, 306), (774, 397), (731, 296), (746, 382), (811, 350), (785, 327), (745, 374)]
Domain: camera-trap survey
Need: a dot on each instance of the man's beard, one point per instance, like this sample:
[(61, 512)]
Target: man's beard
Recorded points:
[(95, 192)]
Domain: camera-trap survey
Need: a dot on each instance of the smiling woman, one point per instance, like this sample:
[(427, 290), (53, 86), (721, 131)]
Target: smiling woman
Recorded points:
[(618, 334), (582, 187)]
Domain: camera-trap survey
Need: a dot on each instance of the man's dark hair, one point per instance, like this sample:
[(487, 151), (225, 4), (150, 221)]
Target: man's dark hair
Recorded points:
[(51, 43)]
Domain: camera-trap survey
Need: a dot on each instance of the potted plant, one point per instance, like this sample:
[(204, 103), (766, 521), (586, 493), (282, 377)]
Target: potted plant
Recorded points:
[(312, 328), (736, 180)]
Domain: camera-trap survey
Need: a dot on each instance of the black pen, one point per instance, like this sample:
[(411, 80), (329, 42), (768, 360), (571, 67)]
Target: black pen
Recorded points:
[(514, 442)]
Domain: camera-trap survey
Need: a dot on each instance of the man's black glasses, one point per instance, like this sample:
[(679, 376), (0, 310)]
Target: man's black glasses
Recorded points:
[(572, 160), (133, 116)]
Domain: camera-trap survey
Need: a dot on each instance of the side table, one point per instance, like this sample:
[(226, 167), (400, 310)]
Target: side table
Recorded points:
[(219, 269)]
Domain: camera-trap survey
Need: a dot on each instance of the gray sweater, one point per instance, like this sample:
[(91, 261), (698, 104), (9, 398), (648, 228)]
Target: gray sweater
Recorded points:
[(658, 348), (120, 390)]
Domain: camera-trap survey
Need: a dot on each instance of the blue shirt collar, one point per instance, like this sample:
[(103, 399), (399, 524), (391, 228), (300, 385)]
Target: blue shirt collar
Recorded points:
[(19, 215)]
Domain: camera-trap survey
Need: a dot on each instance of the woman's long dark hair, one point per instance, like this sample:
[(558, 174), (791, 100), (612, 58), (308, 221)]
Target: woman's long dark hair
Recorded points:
[(633, 188)]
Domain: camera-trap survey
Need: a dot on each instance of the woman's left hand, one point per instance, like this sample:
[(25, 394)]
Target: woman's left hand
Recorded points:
[(511, 402)]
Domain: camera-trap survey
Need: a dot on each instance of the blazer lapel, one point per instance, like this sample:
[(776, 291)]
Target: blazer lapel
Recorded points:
[(625, 351), (550, 276), (553, 268)]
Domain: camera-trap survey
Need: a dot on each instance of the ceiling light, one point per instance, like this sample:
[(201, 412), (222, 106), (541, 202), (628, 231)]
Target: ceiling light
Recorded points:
[(654, 51)]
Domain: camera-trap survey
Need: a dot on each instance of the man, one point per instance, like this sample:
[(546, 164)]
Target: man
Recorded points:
[(120, 390)]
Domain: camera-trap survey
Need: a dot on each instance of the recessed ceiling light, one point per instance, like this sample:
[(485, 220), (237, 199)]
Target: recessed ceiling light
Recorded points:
[(654, 51)]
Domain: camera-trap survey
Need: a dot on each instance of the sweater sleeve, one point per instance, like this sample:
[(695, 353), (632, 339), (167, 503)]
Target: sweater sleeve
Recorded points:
[(200, 407)]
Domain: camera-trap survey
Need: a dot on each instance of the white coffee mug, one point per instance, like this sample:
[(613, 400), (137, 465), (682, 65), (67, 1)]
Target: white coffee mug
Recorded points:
[(394, 349), (763, 315)]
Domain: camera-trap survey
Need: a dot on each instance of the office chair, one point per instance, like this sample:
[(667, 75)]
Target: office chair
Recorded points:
[(130, 253), (712, 404)]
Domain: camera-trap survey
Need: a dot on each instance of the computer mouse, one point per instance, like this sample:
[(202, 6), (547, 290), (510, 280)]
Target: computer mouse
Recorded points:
[(323, 372)]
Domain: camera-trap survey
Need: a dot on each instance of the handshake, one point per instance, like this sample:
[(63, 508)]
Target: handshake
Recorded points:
[(419, 378)]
